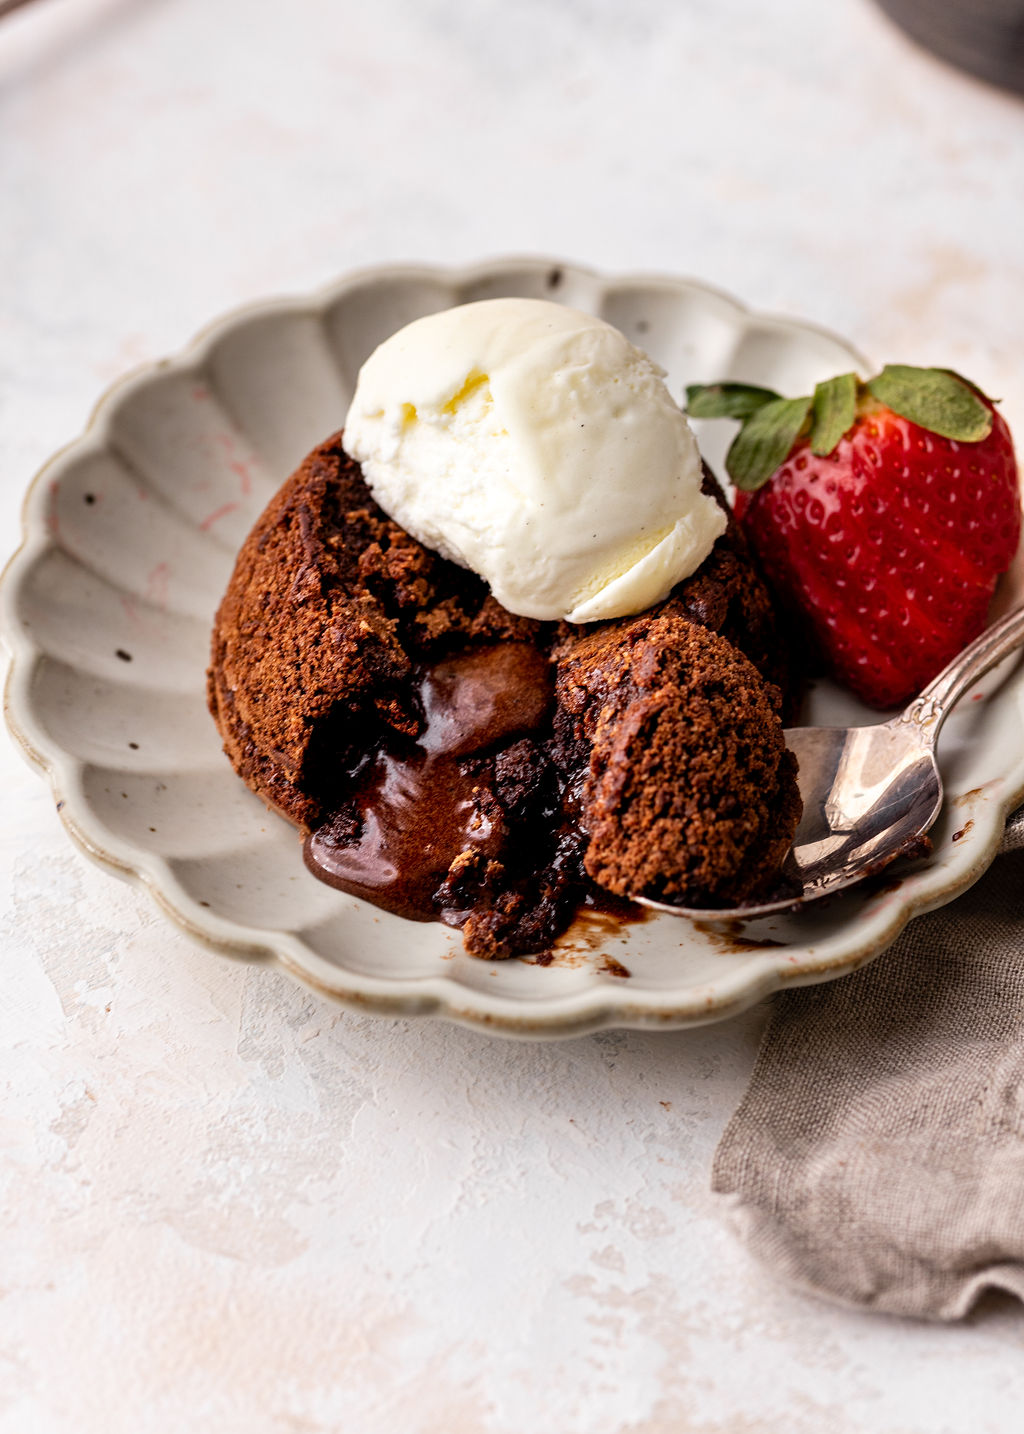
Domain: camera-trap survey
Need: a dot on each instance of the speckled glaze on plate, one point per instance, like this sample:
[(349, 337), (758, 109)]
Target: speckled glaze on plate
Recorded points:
[(130, 534)]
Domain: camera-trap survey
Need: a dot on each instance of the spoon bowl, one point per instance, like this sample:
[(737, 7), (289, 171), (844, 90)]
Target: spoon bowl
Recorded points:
[(870, 794)]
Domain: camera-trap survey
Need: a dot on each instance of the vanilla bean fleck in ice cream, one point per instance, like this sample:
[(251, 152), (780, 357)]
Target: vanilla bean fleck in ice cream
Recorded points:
[(535, 445)]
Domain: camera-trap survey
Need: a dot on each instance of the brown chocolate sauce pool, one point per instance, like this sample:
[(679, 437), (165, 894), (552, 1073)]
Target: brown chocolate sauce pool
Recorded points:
[(418, 809)]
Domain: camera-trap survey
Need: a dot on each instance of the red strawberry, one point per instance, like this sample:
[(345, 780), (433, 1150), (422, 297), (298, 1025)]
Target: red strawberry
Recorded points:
[(883, 512)]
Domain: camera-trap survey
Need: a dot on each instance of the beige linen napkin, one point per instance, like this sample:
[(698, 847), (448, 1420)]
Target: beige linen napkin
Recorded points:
[(877, 1157)]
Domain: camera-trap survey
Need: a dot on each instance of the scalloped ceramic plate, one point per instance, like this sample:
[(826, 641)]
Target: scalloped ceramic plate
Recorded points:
[(130, 534)]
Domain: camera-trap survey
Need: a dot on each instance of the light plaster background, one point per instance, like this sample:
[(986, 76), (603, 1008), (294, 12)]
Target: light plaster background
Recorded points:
[(226, 1205)]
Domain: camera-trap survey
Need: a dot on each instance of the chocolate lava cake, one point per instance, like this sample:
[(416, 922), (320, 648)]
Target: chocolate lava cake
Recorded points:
[(451, 761)]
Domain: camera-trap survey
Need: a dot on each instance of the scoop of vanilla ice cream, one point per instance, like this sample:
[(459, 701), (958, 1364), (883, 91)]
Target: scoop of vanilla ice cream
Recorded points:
[(535, 445)]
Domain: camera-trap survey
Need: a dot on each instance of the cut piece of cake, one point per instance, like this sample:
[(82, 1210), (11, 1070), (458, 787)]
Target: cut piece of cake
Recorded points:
[(690, 795)]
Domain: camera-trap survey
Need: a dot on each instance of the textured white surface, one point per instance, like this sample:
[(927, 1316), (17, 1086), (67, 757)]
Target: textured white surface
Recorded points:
[(227, 1206)]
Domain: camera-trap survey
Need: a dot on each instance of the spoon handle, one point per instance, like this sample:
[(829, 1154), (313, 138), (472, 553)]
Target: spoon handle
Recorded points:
[(929, 710)]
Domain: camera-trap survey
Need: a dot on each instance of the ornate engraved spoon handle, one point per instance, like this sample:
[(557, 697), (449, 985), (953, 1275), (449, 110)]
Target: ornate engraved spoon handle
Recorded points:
[(929, 710)]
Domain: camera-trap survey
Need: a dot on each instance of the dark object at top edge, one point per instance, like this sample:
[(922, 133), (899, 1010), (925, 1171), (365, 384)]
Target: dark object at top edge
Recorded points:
[(983, 37)]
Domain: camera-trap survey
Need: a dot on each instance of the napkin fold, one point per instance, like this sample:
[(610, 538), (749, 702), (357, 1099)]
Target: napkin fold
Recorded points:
[(877, 1158)]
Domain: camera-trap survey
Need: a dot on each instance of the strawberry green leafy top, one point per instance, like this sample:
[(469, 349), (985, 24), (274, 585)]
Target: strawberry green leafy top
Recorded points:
[(935, 399)]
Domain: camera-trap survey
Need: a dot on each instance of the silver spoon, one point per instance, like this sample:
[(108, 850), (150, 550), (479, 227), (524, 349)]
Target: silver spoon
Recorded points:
[(869, 793)]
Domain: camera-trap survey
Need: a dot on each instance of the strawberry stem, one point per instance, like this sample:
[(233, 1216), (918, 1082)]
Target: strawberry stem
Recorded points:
[(935, 399), (726, 400), (765, 441), (835, 412)]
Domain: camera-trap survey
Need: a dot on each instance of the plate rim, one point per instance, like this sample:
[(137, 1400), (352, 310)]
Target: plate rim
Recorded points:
[(559, 1017)]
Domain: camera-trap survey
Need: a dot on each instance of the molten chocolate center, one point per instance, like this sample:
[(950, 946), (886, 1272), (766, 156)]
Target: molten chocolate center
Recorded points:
[(419, 809)]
